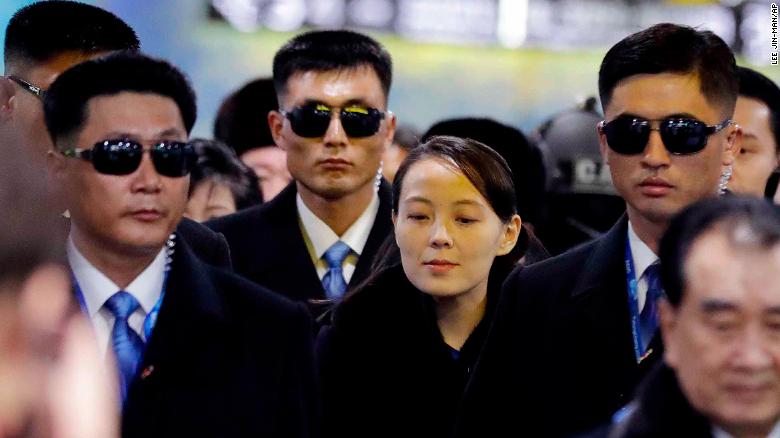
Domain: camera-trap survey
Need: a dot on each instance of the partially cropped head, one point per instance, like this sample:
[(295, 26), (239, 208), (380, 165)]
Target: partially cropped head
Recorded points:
[(668, 94), (455, 212), (220, 183), (405, 139), (332, 120), (41, 41), (120, 126), (758, 113), (721, 320), (242, 124)]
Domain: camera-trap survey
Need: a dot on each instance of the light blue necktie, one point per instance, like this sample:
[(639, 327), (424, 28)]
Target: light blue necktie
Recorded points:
[(648, 318), (333, 282), (127, 344)]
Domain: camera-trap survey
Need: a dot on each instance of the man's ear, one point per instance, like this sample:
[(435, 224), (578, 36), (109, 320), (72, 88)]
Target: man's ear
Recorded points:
[(7, 98), (733, 145), (603, 148), (275, 124), (390, 120)]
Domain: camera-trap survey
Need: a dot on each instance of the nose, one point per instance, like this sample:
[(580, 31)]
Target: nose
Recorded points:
[(440, 235), (335, 135), (655, 154), (146, 179), (753, 352)]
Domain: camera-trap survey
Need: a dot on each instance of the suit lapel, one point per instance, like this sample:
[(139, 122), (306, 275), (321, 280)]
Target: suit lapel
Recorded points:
[(185, 344), (601, 301), (383, 227)]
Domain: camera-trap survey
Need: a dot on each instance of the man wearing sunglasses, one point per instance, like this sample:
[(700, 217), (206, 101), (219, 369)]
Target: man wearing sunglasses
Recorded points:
[(575, 333), (200, 351), (321, 233), (41, 41), (758, 113)]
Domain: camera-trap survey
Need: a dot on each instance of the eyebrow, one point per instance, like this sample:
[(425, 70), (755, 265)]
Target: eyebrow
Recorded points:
[(774, 310), (166, 133), (428, 201), (351, 102), (714, 305), (668, 116)]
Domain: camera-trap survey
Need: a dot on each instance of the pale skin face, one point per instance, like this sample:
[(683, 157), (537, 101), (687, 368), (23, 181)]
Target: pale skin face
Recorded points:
[(23, 111), (123, 215), (392, 159), (333, 166), (723, 340), (270, 166), (448, 233), (210, 200), (656, 184), (758, 157)]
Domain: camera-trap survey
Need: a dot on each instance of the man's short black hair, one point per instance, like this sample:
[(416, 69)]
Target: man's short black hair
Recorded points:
[(66, 100), (671, 48), (242, 119), (327, 50), (754, 85), (744, 221), (43, 30)]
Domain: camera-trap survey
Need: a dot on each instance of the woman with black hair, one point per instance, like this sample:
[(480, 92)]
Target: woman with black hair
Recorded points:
[(401, 347)]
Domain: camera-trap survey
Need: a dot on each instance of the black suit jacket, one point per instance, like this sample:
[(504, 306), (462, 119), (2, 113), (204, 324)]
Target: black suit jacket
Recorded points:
[(385, 369), (226, 359), (210, 247), (267, 246), (561, 347)]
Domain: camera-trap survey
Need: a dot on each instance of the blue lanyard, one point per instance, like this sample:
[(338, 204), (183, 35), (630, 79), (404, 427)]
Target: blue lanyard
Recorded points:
[(151, 318), (633, 304)]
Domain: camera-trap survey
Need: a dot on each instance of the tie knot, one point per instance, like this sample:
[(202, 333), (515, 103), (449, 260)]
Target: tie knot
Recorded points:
[(122, 304), (336, 254)]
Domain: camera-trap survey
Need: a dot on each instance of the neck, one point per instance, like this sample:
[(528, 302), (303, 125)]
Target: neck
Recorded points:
[(121, 267), (647, 230), (338, 213), (458, 316)]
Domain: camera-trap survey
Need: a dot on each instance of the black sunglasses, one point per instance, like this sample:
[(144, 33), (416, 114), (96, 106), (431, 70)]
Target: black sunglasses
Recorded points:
[(122, 157), (313, 120), (628, 135), (36, 91)]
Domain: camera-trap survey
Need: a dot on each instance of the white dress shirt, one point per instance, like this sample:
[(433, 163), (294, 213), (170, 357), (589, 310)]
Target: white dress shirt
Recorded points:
[(96, 289), (643, 257), (319, 236)]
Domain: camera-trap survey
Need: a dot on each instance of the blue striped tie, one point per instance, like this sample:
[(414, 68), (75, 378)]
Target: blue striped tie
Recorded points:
[(127, 344), (648, 318), (333, 282)]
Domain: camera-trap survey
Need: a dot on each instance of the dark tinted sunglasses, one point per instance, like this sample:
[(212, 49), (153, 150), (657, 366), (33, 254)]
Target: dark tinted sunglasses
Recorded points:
[(628, 135), (313, 120), (36, 91), (122, 157)]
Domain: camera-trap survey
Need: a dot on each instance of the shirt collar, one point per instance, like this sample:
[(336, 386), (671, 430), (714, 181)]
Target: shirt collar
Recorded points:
[(322, 236), (717, 432), (641, 253), (96, 288)]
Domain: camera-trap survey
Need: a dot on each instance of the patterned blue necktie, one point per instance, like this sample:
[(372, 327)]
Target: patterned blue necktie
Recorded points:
[(333, 282), (648, 318), (127, 344)]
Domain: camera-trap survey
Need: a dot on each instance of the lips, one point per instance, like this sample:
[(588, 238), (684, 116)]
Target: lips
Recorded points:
[(655, 187), (440, 265), (335, 163), (146, 214)]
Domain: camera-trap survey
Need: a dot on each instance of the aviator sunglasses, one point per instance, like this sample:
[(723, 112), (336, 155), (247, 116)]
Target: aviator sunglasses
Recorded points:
[(313, 120), (628, 135), (123, 157)]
